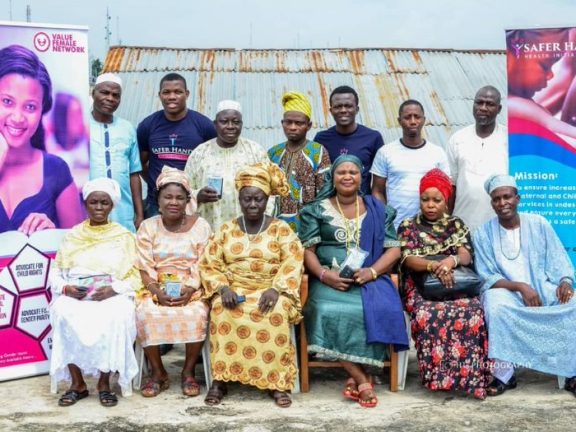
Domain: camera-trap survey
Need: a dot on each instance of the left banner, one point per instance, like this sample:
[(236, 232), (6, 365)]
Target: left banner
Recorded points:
[(44, 162)]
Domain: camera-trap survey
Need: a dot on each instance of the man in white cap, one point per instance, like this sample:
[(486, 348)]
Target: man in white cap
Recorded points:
[(212, 166), (114, 151), (168, 136), (528, 294)]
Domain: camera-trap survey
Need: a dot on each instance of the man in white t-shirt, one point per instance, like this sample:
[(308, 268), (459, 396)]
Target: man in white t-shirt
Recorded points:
[(399, 166), (475, 153)]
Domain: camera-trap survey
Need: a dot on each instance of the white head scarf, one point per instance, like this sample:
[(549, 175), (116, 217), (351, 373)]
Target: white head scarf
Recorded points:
[(102, 184)]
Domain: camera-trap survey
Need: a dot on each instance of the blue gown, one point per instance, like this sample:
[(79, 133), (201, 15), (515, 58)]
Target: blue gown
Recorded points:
[(539, 338)]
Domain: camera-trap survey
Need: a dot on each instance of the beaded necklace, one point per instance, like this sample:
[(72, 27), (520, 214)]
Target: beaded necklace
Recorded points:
[(517, 254), (353, 236)]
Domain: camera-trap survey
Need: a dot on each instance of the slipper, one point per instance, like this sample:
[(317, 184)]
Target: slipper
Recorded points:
[(570, 385), (351, 389), (282, 399), (71, 397), (497, 387), (372, 401), (215, 395), (190, 387), (153, 388), (107, 398)]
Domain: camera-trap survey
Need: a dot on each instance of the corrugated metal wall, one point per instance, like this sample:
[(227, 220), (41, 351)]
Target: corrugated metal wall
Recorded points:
[(445, 81)]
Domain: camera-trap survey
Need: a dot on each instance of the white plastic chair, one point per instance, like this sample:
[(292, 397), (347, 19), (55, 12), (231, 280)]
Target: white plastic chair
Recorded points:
[(143, 365), (403, 356)]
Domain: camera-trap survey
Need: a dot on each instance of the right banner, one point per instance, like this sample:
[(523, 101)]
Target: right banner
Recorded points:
[(541, 70)]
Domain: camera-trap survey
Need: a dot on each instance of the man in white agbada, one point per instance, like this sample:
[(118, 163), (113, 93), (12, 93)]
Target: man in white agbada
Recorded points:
[(528, 293), (92, 314), (217, 161)]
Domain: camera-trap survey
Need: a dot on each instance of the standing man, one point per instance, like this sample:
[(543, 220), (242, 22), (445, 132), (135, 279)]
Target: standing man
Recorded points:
[(399, 166), (349, 137), (114, 151), (474, 154), (303, 161), (213, 165), (168, 136)]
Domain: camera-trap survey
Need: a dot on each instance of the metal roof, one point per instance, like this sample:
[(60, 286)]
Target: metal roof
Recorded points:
[(444, 81)]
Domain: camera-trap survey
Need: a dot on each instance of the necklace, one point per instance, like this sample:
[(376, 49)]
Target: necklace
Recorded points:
[(179, 229), (251, 236), (517, 254), (354, 236)]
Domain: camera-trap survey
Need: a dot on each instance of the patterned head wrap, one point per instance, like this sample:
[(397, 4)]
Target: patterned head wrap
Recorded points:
[(497, 181), (294, 101), (102, 184), (438, 179), (228, 105), (328, 189), (265, 176), (172, 175), (109, 77)]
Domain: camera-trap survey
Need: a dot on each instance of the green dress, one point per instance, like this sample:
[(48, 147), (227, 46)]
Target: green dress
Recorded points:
[(335, 319)]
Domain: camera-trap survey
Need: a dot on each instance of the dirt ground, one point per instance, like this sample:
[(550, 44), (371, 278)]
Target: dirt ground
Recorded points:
[(536, 405)]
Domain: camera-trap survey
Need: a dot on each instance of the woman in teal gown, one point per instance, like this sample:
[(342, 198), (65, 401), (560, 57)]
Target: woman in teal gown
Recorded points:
[(351, 319)]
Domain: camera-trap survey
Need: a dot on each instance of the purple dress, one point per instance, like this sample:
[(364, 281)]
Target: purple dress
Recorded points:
[(57, 177)]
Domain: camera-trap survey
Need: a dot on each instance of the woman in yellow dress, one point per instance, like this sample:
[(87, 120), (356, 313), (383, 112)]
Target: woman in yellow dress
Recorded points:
[(251, 270)]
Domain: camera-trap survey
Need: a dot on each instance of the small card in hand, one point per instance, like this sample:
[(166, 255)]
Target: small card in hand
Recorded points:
[(90, 284), (216, 184), (173, 289)]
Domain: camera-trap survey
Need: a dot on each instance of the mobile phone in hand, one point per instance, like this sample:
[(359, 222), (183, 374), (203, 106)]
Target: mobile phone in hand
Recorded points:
[(240, 298), (347, 272)]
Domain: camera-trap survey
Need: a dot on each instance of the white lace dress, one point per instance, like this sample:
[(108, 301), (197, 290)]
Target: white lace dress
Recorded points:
[(96, 336)]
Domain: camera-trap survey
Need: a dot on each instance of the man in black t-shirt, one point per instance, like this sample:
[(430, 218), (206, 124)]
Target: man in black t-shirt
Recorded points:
[(168, 136)]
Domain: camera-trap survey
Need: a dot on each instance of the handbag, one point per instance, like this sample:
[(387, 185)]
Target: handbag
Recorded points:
[(467, 283)]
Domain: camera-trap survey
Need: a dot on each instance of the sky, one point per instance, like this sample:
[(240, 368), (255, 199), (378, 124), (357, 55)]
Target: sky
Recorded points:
[(459, 24)]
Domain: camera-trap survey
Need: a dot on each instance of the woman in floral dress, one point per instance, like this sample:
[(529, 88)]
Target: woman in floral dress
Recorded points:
[(450, 335)]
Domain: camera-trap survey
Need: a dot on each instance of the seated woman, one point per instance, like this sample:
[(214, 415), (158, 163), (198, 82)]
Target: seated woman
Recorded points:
[(251, 270), (92, 315), (450, 335), (169, 247), (351, 319)]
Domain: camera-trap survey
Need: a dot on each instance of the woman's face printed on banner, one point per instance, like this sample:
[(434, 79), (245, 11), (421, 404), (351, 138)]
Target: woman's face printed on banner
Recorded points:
[(20, 108)]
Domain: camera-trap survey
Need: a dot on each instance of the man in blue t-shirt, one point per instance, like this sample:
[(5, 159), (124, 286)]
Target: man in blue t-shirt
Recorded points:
[(168, 136), (349, 137)]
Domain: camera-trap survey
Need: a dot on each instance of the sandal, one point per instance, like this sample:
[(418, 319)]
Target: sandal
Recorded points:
[(71, 397), (107, 398), (372, 401), (497, 387), (215, 395), (190, 387), (153, 388), (351, 389), (282, 399), (570, 385)]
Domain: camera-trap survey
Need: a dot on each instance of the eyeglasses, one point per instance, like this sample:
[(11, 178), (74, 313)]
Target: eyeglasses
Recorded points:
[(107, 152)]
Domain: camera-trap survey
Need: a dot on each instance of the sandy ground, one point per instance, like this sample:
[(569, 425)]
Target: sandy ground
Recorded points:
[(536, 405)]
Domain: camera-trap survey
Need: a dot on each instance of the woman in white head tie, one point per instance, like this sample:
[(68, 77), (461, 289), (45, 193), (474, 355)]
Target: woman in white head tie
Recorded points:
[(92, 314)]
